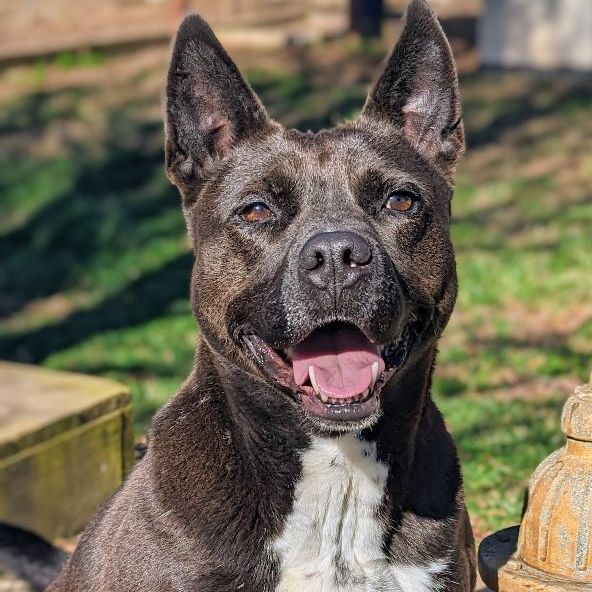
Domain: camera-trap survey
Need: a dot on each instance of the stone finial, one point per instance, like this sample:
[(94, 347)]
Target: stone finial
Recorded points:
[(554, 546), (556, 531), (577, 414)]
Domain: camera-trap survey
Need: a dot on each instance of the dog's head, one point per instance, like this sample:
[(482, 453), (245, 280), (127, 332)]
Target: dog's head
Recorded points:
[(323, 261)]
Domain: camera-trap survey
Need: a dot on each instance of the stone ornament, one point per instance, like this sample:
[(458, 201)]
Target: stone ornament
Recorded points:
[(553, 550)]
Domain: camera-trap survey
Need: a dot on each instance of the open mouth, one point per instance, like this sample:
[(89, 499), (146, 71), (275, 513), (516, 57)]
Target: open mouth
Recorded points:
[(336, 371)]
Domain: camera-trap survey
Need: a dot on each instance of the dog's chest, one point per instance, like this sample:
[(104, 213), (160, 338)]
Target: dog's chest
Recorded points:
[(333, 540)]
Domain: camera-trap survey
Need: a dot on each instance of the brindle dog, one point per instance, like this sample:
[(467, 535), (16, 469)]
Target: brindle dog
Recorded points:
[(304, 452)]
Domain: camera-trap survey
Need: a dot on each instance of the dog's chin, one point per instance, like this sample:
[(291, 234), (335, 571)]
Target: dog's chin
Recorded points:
[(336, 374)]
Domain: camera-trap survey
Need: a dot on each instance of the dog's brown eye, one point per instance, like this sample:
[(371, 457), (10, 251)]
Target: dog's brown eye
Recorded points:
[(399, 202), (255, 212)]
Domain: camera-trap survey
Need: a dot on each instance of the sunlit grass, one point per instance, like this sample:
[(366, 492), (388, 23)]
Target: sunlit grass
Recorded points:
[(94, 262)]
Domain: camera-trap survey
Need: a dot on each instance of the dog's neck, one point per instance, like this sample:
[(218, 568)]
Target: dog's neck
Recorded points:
[(258, 412), (230, 454), (226, 414), (403, 404)]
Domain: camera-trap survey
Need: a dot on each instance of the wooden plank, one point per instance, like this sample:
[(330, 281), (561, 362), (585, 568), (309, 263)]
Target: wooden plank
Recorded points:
[(54, 488), (66, 443), (36, 29), (67, 401)]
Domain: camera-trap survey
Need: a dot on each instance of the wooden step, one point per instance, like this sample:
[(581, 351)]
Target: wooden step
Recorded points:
[(66, 443)]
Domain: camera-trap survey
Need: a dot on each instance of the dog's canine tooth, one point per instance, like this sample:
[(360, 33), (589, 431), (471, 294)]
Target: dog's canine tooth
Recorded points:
[(374, 375), (313, 380), (324, 397)]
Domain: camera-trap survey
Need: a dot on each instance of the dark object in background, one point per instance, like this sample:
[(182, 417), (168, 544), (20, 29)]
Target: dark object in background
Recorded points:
[(366, 17), (29, 557), (494, 552)]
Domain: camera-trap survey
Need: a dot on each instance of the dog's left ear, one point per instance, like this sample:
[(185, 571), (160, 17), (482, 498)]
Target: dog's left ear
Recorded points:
[(419, 91)]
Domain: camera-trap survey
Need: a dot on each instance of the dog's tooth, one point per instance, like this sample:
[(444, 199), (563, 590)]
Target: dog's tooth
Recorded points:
[(324, 397), (313, 380), (374, 374), (365, 394)]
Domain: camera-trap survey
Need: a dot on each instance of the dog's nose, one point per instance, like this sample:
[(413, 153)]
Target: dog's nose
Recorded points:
[(335, 258)]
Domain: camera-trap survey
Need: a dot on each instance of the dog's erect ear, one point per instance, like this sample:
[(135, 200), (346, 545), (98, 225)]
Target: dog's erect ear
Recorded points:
[(419, 90), (210, 107)]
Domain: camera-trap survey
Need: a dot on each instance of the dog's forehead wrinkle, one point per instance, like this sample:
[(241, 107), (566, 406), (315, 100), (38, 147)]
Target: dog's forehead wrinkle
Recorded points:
[(359, 152), (321, 168), (258, 157)]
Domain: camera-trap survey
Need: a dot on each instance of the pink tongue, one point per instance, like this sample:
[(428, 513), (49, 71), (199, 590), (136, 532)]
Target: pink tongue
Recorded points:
[(342, 359)]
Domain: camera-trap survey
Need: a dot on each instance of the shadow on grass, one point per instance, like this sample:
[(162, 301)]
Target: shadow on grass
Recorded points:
[(142, 300), (36, 110), (117, 202), (108, 201), (541, 97)]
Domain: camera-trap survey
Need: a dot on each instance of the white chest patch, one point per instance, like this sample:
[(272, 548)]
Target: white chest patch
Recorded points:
[(333, 539)]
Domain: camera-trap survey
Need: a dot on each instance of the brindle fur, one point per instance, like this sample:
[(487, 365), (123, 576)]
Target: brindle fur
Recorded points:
[(201, 508)]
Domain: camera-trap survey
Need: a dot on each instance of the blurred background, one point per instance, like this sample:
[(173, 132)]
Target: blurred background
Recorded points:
[(95, 264)]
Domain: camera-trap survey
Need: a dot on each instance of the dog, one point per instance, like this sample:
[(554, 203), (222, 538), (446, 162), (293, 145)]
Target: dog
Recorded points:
[(304, 451)]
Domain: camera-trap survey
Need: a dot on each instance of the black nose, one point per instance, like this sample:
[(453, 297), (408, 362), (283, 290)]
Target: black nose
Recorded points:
[(336, 259)]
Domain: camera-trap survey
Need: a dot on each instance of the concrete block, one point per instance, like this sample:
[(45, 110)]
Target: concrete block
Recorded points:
[(537, 34)]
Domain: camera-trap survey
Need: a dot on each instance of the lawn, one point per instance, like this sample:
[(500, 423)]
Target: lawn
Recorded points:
[(94, 262)]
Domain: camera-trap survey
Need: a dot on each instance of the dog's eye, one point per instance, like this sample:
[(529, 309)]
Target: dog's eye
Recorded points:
[(255, 212), (399, 202)]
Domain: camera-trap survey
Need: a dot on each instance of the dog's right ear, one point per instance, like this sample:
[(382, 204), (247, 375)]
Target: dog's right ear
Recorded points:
[(210, 107)]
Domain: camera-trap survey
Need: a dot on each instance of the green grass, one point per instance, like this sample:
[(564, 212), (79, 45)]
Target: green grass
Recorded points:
[(94, 263), (501, 442)]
